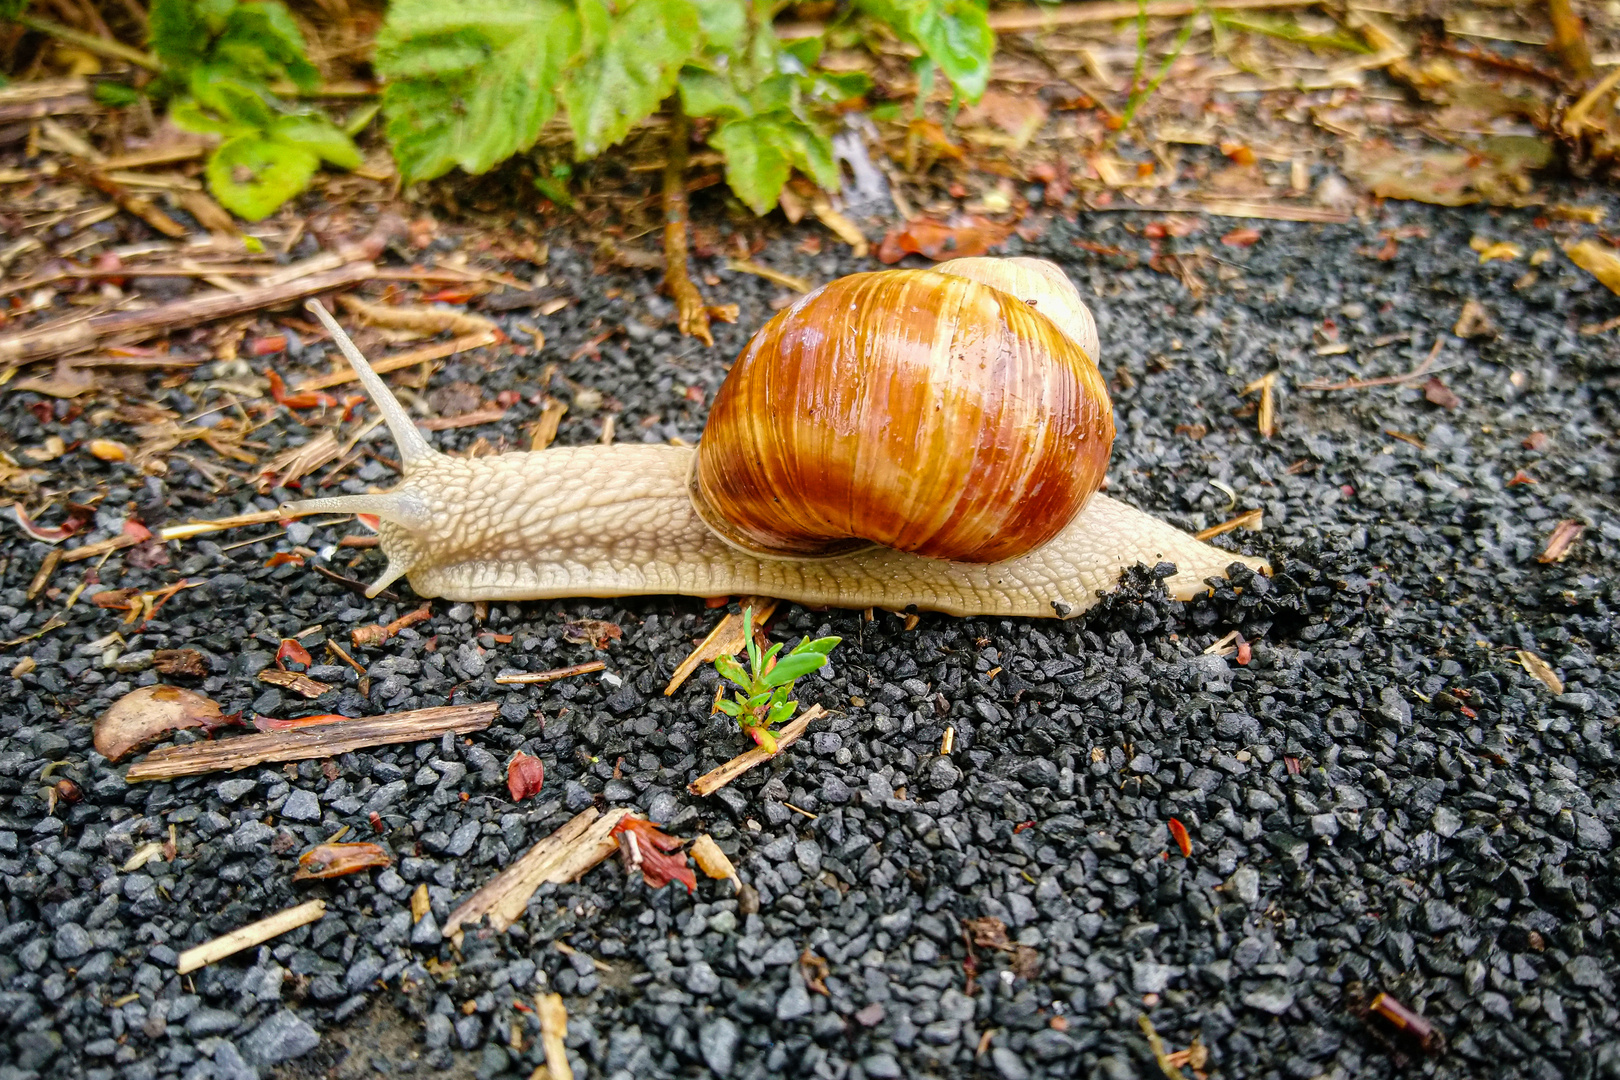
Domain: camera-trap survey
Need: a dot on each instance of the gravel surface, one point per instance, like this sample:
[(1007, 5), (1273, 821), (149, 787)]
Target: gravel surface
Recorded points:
[(1380, 799)]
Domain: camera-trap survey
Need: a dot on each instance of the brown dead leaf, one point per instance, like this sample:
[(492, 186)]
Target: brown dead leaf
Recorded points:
[(421, 903), (1026, 962), (1015, 120), (938, 240), (1474, 321), (988, 932), (1438, 393), (338, 860), (1499, 173), (149, 713), (815, 970), (595, 632), (1599, 260)]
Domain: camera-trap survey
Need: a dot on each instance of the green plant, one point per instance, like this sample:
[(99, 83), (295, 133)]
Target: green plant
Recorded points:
[(472, 83), (220, 65), (762, 700)]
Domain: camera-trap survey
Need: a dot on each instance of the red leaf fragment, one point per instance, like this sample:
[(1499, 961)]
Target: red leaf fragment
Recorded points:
[(657, 855), (77, 517), (268, 345), (1292, 764), (336, 860), (292, 650), (1245, 653), (282, 558), (938, 240), (1179, 832), (1536, 440), (1244, 237), (267, 723), (524, 776)]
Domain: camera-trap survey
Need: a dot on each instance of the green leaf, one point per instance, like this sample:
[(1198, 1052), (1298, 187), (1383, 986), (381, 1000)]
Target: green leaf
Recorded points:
[(774, 94), (780, 713), (190, 116), (955, 34), (260, 39), (470, 82), (242, 105), (634, 68), (757, 701), (792, 667), (728, 669), (252, 176), (839, 86), (116, 94), (724, 23), (771, 654), (708, 93), (757, 164), (730, 708), (318, 135), (179, 32), (812, 153), (824, 645), (806, 50)]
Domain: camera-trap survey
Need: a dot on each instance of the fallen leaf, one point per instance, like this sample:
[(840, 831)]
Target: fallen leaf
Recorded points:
[(1244, 237), (149, 713), (596, 632), (421, 904), (1474, 321), (143, 855), (658, 856), (1542, 670), (1438, 393), (815, 970), (711, 860), (524, 776), (1563, 537), (1599, 260), (292, 650), (1496, 173), (988, 932), (1178, 831), (337, 860), (938, 240), (1026, 961), (76, 519)]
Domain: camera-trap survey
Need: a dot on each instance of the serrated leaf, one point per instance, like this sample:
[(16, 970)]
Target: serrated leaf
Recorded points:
[(240, 105), (633, 69), (172, 32), (252, 176), (261, 39), (724, 22), (813, 155), (470, 83), (839, 86), (955, 34), (319, 135), (774, 94), (757, 164), (708, 93)]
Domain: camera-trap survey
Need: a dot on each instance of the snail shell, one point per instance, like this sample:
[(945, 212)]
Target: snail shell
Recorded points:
[(955, 413)]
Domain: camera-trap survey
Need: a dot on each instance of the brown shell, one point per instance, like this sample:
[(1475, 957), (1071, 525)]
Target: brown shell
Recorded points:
[(913, 409)]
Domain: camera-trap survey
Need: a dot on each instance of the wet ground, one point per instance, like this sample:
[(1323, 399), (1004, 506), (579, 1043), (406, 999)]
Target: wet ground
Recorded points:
[(1381, 799)]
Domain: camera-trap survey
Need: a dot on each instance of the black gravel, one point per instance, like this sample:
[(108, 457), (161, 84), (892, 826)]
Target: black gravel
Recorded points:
[(1380, 800)]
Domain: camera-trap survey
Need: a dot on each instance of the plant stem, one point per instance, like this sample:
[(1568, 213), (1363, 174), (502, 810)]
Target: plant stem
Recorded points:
[(692, 314), (114, 50)]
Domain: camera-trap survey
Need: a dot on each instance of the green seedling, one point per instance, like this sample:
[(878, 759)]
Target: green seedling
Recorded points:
[(762, 702)]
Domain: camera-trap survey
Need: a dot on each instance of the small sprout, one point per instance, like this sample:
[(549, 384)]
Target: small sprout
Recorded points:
[(762, 701)]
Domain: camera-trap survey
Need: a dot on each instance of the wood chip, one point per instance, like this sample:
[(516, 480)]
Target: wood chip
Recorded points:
[(552, 675), (724, 640), (544, 430), (425, 354), (421, 903), (1249, 519), (296, 681), (1563, 538), (582, 842), (712, 781), (423, 319), (248, 936), (553, 1031), (1542, 670), (326, 740), (1266, 422), (712, 861)]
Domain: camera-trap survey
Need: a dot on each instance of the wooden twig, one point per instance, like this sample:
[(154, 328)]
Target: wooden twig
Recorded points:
[(1249, 519), (725, 639), (1421, 371), (692, 315), (421, 318), (581, 843), (712, 781), (67, 336), (553, 1030), (775, 277), (403, 360), (327, 740), (553, 675), (35, 110), (246, 937)]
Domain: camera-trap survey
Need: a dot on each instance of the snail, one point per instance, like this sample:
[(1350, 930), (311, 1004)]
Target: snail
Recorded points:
[(929, 439)]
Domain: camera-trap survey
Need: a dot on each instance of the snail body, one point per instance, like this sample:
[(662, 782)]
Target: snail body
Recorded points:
[(974, 503)]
